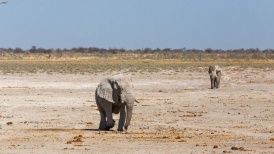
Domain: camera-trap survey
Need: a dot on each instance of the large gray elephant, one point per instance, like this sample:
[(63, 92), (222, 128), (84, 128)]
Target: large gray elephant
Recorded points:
[(114, 95), (215, 73)]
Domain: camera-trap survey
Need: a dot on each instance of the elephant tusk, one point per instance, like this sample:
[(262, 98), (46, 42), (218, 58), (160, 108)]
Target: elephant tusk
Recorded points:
[(137, 101)]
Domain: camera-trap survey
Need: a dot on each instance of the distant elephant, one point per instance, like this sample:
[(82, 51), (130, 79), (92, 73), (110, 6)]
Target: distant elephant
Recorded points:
[(215, 73), (114, 95)]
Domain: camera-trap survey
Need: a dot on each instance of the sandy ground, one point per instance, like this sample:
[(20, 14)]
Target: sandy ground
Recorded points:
[(179, 113)]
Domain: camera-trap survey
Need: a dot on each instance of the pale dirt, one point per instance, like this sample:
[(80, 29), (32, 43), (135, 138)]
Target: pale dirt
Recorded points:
[(178, 113)]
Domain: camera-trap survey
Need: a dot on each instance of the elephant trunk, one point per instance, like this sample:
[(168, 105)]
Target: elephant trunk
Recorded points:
[(212, 80), (129, 107)]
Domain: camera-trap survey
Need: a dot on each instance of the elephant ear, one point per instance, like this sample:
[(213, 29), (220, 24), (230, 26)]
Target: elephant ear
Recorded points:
[(107, 89), (218, 70), (210, 68)]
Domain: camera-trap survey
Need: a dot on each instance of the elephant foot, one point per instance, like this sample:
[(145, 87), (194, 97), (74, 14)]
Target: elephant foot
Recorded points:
[(120, 129), (107, 125), (110, 125), (106, 128), (101, 127)]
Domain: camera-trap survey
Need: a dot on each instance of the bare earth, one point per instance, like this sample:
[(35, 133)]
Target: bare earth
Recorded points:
[(178, 113)]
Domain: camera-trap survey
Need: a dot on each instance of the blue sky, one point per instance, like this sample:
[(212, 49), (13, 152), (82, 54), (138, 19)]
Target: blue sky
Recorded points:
[(137, 24)]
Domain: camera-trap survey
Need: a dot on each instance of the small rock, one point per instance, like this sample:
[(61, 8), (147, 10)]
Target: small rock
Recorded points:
[(182, 141), (177, 137), (165, 137), (89, 123), (236, 148), (9, 123)]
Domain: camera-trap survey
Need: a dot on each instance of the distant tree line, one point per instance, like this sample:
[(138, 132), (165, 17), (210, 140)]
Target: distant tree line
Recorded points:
[(251, 53), (34, 49)]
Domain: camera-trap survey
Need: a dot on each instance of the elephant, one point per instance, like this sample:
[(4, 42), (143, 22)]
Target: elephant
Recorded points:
[(114, 95), (215, 73)]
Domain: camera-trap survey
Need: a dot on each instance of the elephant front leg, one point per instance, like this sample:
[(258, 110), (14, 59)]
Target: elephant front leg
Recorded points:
[(102, 121), (110, 122), (122, 118)]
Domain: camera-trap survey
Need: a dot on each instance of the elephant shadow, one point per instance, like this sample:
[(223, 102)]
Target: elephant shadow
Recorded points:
[(95, 130)]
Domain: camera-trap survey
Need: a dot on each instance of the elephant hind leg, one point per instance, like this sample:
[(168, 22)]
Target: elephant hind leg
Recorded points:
[(122, 118)]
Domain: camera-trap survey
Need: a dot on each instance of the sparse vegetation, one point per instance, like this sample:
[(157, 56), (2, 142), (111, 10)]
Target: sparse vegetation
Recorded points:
[(93, 60)]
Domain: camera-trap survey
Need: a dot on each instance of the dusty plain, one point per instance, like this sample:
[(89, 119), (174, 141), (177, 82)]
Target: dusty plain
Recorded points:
[(55, 112)]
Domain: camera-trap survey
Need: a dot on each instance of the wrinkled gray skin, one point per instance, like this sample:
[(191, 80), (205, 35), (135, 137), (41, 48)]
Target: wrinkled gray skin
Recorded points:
[(215, 73), (113, 95)]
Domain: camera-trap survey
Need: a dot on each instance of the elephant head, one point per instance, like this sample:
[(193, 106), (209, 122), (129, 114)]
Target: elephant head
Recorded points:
[(214, 72), (118, 91)]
